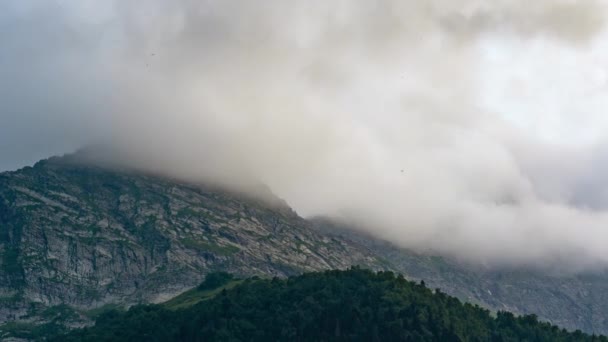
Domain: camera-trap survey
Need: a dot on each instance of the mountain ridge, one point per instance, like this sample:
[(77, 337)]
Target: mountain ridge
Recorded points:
[(90, 236)]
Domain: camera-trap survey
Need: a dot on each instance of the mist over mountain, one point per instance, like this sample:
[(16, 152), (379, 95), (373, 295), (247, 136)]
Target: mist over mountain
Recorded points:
[(79, 239), (471, 128)]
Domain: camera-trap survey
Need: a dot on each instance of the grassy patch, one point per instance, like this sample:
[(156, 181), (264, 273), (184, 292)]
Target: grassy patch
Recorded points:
[(94, 229), (203, 215), (194, 296), (12, 266), (11, 300), (16, 329), (189, 212), (30, 331), (94, 313), (10, 261), (209, 247), (59, 312)]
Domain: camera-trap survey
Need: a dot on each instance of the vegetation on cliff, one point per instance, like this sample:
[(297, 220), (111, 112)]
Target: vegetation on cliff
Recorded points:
[(352, 305)]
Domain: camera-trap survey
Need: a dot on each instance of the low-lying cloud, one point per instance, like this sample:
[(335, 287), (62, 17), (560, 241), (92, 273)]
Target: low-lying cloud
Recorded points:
[(464, 127)]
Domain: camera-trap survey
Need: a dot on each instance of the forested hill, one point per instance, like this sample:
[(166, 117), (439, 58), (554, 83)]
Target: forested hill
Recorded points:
[(352, 305)]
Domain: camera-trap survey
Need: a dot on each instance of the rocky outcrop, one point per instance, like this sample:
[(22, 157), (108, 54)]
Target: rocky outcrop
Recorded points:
[(87, 236)]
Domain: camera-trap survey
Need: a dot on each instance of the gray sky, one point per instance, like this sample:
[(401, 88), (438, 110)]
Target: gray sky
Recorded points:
[(493, 110)]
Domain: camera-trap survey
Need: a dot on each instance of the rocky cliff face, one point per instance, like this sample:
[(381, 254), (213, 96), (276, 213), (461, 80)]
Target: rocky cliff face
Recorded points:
[(86, 236)]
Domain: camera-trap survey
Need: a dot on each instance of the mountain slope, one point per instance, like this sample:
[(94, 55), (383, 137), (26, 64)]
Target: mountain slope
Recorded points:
[(353, 305), (87, 236), (93, 237), (573, 301)]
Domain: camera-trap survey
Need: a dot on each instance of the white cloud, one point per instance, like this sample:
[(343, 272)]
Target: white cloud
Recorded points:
[(491, 109)]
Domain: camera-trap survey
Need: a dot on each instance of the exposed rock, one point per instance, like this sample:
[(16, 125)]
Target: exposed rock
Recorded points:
[(87, 236), (91, 237)]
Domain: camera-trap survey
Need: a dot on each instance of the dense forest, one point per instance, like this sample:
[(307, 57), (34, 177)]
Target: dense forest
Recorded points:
[(352, 305)]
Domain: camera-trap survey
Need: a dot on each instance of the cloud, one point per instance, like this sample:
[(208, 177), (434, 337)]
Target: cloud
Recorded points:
[(439, 124)]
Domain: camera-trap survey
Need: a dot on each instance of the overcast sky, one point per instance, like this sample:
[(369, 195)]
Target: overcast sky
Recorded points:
[(473, 128)]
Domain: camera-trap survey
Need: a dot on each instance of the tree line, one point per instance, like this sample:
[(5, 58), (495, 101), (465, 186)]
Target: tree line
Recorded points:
[(350, 305)]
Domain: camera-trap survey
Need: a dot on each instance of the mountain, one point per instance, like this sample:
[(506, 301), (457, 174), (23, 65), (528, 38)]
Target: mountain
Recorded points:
[(352, 305), (77, 239), (87, 236)]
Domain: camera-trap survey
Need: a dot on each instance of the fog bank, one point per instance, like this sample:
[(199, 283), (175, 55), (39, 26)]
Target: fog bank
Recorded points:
[(471, 128)]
